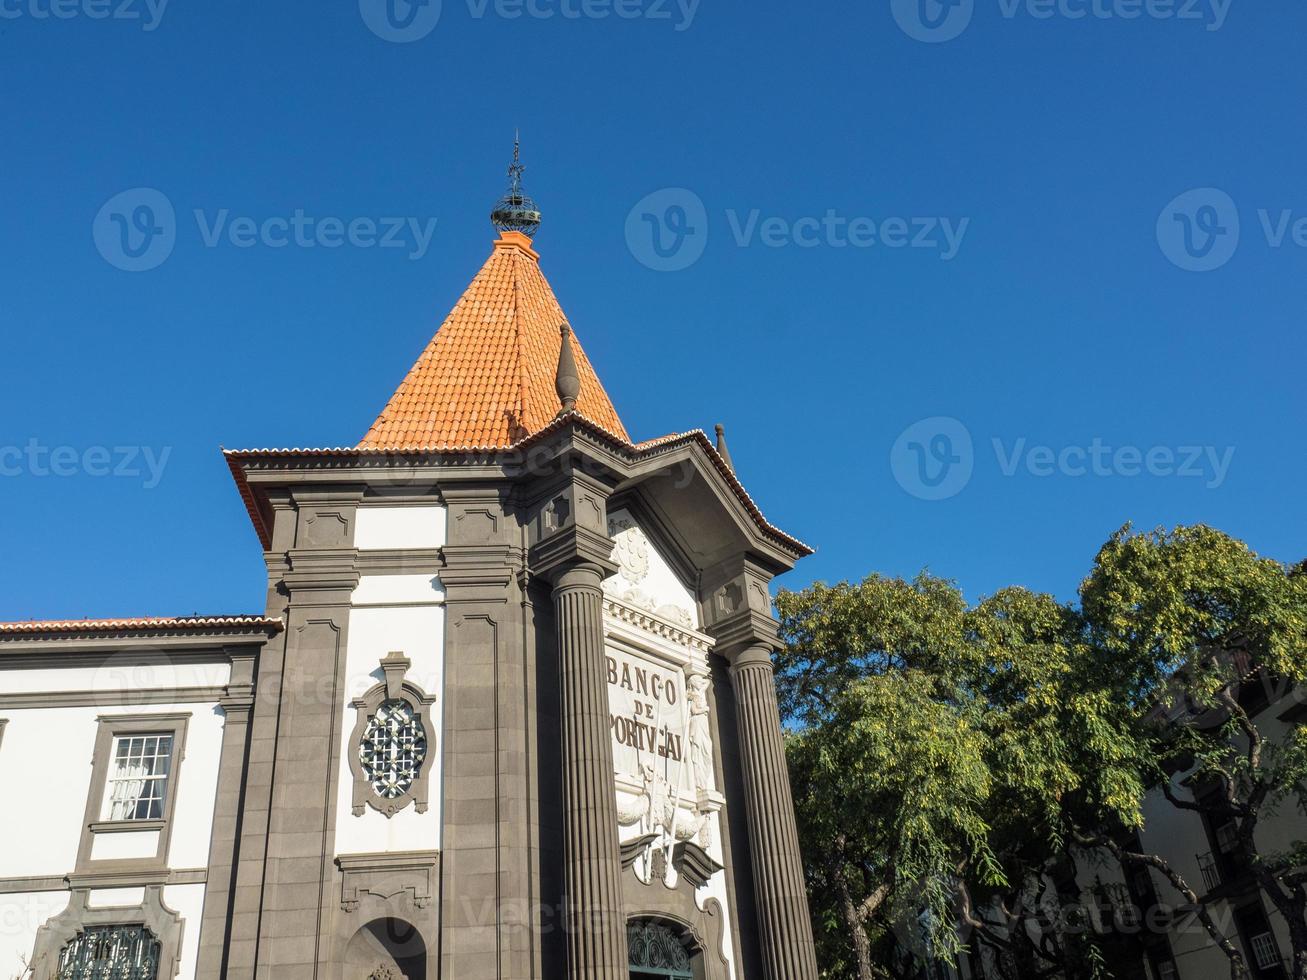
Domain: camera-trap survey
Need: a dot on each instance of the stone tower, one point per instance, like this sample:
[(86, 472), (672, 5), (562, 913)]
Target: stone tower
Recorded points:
[(520, 722)]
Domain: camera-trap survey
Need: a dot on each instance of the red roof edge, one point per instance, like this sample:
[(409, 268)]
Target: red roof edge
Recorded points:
[(143, 624)]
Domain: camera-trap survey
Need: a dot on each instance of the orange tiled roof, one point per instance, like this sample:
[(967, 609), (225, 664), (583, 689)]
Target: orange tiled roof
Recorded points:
[(487, 377), (138, 623)]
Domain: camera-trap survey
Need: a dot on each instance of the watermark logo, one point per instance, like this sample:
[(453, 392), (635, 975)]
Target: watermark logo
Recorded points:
[(933, 21), (136, 230), (1199, 230), (148, 13), (668, 229), (933, 459), (405, 21), (400, 21), (35, 459)]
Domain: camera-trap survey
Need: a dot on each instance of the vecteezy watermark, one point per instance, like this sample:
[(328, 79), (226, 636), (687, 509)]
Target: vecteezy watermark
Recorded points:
[(136, 230), (400, 21), (936, 21), (405, 21), (36, 459), (934, 459), (1199, 231), (149, 13), (668, 230)]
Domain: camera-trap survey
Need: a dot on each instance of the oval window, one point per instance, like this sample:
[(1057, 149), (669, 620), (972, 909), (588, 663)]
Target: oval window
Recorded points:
[(393, 748)]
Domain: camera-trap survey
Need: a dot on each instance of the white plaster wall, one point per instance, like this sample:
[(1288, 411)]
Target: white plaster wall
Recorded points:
[(49, 751), (21, 915), (108, 898), (394, 613), (113, 847), (197, 787), (118, 674), (38, 744), (384, 528), (188, 902), (716, 888)]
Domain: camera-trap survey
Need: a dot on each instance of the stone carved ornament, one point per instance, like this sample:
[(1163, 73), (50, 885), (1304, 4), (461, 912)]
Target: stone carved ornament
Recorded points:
[(631, 552)]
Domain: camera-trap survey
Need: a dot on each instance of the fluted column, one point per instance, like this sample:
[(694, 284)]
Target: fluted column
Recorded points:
[(594, 917), (785, 931)]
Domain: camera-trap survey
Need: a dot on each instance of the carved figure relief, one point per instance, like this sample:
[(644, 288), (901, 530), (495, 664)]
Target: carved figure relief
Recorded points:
[(700, 734)]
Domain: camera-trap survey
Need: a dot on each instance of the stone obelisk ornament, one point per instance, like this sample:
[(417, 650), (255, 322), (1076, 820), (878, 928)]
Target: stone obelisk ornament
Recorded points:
[(568, 381), (722, 451)]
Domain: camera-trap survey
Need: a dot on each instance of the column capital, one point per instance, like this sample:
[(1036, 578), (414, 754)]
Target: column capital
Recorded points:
[(578, 573), (756, 655), (747, 631), (571, 547)]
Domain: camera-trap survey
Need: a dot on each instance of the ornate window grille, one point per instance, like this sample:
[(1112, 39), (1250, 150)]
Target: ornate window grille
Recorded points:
[(657, 951), (138, 777), (393, 748), (1265, 952), (390, 749), (118, 952)]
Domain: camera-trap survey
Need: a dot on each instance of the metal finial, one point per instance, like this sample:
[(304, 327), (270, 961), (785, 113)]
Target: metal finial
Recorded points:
[(515, 211), (722, 451), (567, 382)]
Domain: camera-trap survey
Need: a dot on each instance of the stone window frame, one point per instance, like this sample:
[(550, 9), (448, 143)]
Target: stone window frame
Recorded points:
[(394, 688), (110, 728), (56, 933)]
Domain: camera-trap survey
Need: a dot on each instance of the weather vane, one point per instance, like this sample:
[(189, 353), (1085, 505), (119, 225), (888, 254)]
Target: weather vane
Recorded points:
[(515, 211)]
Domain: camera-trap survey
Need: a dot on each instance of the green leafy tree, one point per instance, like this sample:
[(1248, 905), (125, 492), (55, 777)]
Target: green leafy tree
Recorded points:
[(1185, 622), (952, 763), (935, 747)]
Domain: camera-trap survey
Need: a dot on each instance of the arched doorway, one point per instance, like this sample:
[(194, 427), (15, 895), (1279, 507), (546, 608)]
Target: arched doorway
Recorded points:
[(658, 953), (386, 949)]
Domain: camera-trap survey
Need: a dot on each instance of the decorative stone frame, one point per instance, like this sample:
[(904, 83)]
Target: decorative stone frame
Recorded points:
[(394, 688), (166, 925), (111, 728), (703, 930), (704, 965)]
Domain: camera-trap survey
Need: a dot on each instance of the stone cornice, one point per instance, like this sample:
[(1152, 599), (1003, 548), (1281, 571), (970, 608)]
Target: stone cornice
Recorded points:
[(656, 626)]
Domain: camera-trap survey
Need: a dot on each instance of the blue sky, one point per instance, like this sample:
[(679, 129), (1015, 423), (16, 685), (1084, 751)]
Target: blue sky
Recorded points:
[(899, 267)]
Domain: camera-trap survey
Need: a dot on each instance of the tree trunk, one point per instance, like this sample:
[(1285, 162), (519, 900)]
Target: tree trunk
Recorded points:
[(857, 933), (1238, 967)]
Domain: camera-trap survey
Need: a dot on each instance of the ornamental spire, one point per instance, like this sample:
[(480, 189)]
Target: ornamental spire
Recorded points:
[(515, 211), (567, 382), (722, 451)]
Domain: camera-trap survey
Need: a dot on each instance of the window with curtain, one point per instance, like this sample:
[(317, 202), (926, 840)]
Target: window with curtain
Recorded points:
[(137, 784)]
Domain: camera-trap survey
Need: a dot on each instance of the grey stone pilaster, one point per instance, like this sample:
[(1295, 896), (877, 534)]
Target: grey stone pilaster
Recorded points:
[(784, 929), (237, 705), (282, 924), (486, 877), (247, 892), (595, 919)]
